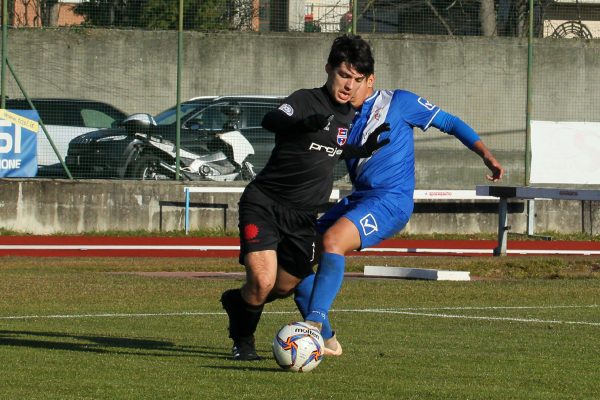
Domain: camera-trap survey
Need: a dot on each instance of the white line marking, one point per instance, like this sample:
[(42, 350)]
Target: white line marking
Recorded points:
[(116, 315), (109, 247), (511, 319), (84, 247), (401, 311)]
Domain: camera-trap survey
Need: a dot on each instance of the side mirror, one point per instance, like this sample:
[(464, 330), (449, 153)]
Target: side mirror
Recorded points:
[(138, 123)]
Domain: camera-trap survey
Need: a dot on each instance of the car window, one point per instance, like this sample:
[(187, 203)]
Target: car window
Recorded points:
[(255, 113), (71, 113), (168, 116), (211, 118), (96, 119)]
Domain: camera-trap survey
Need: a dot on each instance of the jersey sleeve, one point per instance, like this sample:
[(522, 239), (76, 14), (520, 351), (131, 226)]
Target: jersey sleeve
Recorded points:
[(287, 118), (453, 125), (417, 110)]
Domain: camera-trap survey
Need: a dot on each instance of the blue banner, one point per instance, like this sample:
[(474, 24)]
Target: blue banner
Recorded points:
[(18, 143)]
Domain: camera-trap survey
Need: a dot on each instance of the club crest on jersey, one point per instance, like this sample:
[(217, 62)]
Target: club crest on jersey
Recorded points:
[(287, 109), (368, 224), (342, 136), (377, 114)]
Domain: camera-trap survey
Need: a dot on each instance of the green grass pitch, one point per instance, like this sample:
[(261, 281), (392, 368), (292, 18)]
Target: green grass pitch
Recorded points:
[(75, 329)]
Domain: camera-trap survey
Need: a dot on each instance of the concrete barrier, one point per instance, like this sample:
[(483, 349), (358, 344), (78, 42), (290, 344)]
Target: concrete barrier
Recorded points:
[(44, 206)]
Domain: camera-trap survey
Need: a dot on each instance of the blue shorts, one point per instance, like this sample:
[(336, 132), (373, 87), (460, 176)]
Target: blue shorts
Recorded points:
[(377, 217)]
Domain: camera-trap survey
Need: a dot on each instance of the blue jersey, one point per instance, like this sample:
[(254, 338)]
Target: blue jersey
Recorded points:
[(392, 168), (382, 201)]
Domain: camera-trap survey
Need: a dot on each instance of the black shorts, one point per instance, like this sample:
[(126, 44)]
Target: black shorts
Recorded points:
[(266, 224)]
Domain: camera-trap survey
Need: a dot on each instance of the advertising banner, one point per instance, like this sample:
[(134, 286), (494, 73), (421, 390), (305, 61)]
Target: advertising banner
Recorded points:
[(18, 143), (565, 152)]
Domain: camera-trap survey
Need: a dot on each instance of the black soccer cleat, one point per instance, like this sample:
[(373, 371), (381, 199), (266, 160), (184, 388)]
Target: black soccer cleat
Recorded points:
[(244, 350)]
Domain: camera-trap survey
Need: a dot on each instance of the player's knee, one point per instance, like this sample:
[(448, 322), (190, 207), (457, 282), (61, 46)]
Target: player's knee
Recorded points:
[(259, 288), (332, 244)]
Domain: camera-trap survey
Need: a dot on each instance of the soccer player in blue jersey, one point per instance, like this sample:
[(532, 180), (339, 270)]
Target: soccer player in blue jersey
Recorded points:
[(383, 184)]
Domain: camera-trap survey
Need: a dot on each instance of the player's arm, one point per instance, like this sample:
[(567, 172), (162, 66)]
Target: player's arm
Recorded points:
[(497, 171), (293, 116), (462, 131)]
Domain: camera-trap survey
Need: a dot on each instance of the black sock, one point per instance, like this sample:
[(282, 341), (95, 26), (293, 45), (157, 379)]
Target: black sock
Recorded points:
[(243, 317)]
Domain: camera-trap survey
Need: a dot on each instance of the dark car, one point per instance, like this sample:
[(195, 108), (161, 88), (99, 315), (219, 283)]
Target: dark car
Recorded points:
[(66, 119)]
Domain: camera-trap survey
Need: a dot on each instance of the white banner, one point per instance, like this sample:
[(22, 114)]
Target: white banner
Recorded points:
[(565, 152)]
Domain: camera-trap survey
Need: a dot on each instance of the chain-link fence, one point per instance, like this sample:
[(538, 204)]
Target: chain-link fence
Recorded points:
[(87, 64)]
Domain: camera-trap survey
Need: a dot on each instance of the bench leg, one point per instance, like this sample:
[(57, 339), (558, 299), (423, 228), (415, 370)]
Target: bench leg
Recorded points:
[(503, 227), (187, 211)]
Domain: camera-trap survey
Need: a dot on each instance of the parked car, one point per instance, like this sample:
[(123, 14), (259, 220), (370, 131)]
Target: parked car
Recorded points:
[(149, 153), (66, 119), (129, 153)]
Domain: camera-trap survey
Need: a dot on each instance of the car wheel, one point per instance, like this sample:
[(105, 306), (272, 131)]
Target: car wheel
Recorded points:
[(145, 167)]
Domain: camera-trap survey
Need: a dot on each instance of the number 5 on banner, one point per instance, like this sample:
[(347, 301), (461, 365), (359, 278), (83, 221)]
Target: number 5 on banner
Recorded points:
[(8, 139)]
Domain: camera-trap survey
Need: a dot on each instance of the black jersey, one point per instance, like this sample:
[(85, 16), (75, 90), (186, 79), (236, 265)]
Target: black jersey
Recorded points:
[(299, 172)]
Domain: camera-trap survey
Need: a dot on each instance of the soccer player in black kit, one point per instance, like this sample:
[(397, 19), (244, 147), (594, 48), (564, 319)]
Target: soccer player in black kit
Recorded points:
[(278, 210)]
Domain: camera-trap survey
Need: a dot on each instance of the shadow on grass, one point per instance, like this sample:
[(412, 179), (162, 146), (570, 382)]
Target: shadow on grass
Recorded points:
[(246, 365), (105, 344)]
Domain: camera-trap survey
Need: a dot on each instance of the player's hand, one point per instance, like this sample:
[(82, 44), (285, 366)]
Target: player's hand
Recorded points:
[(497, 171), (370, 147), (317, 122), (372, 144)]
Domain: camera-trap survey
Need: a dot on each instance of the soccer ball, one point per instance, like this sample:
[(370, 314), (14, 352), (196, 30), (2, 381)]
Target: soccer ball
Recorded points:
[(298, 347)]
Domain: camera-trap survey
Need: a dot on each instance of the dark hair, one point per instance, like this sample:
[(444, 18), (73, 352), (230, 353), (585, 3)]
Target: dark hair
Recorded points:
[(354, 50)]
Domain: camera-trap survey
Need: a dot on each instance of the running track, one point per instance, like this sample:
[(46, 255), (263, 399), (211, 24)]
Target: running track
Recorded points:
[(91, 246)]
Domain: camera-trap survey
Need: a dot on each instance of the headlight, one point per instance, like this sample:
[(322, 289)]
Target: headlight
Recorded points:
[(112, 138)]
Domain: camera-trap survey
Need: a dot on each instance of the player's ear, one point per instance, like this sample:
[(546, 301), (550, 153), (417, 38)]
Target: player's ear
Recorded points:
[(328, 68), (371, 80)]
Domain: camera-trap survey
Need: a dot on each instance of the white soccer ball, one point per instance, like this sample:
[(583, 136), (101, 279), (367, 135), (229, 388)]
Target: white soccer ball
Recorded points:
[(298, 347)]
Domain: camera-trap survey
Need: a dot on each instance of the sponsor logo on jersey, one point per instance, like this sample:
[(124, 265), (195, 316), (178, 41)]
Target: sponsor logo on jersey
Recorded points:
[(331, 151), (342, 136), (368, 224), (426, 104), (287, 109)]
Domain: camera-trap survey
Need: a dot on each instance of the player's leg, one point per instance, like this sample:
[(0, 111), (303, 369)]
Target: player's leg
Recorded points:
[(366, 221), (258, 240), (302, 296), (304, 290), (340, 238), (244, 306)]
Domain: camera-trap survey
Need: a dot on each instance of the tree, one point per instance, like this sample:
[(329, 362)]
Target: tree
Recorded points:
[(164, 14), (123, 13), (487, 18), (34, 12)]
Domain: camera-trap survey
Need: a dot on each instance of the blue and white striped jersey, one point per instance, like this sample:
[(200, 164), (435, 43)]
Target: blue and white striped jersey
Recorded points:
[(391, 169)]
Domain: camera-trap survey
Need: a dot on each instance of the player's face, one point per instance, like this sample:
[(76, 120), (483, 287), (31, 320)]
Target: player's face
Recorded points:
[(364, 91), (343, 82)]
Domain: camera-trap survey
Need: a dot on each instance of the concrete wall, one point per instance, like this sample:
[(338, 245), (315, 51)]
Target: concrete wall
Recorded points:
[(42, 206), (483, 80)]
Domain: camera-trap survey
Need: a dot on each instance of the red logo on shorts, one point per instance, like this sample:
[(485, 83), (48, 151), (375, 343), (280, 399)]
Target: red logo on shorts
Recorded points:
[(250, 231)]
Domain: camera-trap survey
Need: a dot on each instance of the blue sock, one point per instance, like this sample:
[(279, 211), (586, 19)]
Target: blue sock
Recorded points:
[(302, 299), (328, 282)]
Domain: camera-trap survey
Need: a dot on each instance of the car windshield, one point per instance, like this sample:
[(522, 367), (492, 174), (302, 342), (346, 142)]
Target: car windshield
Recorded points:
[(168, 116)]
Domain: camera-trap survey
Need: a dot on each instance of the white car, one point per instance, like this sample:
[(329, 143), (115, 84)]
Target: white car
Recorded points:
[(65, 119)]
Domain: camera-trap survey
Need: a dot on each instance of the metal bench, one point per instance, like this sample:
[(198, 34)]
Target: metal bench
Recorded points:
[(504, 193)]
